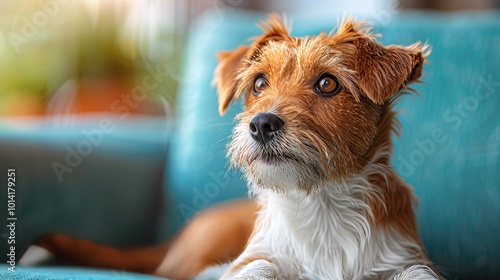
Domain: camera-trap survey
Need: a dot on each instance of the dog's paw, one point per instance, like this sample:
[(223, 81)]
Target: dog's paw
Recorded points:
[(416, 272), (258, 270)]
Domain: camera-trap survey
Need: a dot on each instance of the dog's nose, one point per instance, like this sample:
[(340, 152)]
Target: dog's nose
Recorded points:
[(263, 126)]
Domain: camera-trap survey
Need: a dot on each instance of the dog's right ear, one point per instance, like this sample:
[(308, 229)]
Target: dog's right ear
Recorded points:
[(230, 63)]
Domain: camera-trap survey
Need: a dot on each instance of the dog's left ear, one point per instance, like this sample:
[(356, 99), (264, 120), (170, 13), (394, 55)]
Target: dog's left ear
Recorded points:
[(382, 71)]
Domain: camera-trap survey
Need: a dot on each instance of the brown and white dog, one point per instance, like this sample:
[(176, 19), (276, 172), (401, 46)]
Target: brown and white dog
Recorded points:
[(314, 142)]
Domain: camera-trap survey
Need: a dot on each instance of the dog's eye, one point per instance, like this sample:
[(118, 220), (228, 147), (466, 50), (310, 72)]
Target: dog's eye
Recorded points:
[(259, 84), (327, 85)]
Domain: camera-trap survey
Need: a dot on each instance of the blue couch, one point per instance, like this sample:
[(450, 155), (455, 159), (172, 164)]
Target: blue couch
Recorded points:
[(143, 181)]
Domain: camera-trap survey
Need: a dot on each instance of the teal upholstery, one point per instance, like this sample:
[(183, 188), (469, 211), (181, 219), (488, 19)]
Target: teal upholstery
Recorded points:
[(449, 150), (65, 273)]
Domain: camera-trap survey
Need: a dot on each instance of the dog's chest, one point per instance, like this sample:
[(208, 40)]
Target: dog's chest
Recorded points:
[(315, 237)]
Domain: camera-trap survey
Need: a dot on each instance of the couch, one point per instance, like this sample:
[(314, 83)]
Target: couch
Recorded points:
[(148, 176)]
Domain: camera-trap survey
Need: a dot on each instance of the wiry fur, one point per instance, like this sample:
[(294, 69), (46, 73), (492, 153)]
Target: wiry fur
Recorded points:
[(331, 205)]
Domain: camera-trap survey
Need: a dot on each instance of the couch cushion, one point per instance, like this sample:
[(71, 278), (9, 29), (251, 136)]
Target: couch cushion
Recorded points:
[(67, 273)]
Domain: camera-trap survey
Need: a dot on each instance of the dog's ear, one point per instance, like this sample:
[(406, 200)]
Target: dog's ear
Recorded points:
[(231, 63), (381, 71)]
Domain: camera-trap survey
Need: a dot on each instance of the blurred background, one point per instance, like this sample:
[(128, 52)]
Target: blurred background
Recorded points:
[(75, 57), (66, 57)]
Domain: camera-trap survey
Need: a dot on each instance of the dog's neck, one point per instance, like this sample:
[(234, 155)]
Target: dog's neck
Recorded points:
[(338, 209), (380, 151), (353, 193)]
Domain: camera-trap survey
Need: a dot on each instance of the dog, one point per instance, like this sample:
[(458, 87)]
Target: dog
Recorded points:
[(314, 143)]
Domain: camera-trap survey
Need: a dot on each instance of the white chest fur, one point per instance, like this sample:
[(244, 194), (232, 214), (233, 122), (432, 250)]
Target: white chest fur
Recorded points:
[(327, 235)]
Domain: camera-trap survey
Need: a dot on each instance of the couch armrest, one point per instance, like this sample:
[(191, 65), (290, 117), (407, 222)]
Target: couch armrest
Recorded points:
[(100, 180)]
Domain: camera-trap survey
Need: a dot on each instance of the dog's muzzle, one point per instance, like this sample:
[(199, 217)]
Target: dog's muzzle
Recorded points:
[(264, 126)]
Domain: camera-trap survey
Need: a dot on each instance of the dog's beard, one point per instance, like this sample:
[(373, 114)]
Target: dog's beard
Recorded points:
[(285, 163)]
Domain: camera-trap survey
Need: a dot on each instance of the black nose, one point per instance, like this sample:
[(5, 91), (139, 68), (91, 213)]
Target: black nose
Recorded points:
[(263, 126)]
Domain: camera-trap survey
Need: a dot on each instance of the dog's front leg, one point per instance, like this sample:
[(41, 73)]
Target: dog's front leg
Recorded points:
[(256, 270), (417, 272)]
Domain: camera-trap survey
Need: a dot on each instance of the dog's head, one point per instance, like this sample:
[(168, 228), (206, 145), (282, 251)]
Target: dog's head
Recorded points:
[(313, 106)]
